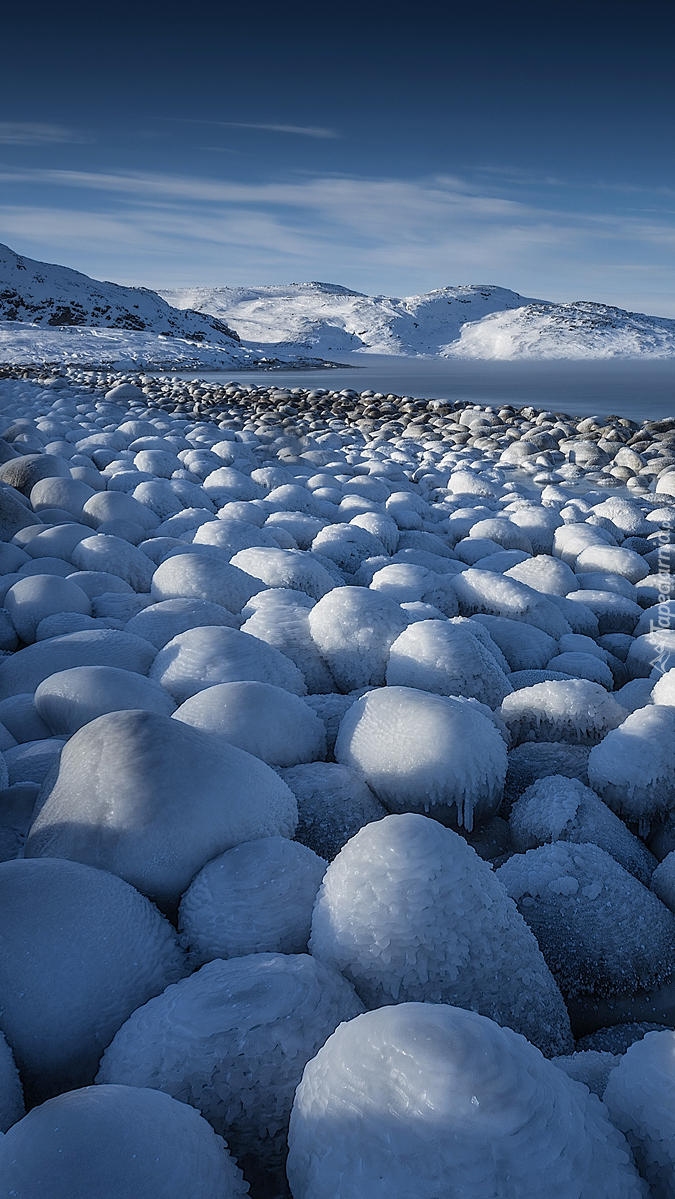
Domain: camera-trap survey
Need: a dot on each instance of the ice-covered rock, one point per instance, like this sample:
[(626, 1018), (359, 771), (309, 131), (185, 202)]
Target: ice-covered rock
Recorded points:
[(640, 1095), (203, 577), (117, 1141), (280, 616), (446, 659), (333, 804), (497, 595), (563, 809), (255, 898), (30, 599), (296, 569), (603, 934), (353, 629), (118, 557), (81, 950), (523, 651), (425, 753), (152, 800), (573, 710), (24, 671), (633, 767), (69, 699), (409, 912), (232, 1040), (419, 1098), (266, 721), (202, 657)]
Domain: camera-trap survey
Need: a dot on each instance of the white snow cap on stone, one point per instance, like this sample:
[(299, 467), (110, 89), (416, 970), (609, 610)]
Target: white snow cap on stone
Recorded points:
[(117, 1141), (408, 911), (403, 1099), (425, 753)]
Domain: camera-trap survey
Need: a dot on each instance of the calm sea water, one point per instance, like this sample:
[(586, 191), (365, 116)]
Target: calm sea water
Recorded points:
[(635, 388)]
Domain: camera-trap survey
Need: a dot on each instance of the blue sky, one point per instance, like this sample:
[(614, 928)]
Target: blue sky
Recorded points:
[(392, 147)]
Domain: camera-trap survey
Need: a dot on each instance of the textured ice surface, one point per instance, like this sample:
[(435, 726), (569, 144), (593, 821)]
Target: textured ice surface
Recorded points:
[(151, 799), (601, 931), (69, 699), (202, 657), (280, 616), (425, 753), (204, 577), (286, 568), (529, 650), (563, 809), (353, 629), (447, 659), (633, 768), (272, 724), (11, 1093), (81, 950), (590, 1066), (546, 574), (256, 898), (408, 911), (232, 1040), (159, 623), (119, 1142), (640, 1095), (617, 1039), (573, 710), (425, 1100), (25, 670), (498, 595), (333, 804)]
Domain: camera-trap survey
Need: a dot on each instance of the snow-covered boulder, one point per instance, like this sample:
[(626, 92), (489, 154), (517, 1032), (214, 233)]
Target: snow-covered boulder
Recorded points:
[(603, 934), (153, 800), (280, 616), (573, 710), (233, 1040), (266, 721), (69, 699), (425, 753), (640, 1096), (202, 657), (353, 629), (255, 898), (409, 912), (446, 659), (334, 802), (413, 1099), (563, 809), (81, 950), (633, 768), (118, 1141)]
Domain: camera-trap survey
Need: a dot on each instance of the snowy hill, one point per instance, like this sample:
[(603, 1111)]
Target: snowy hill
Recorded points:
[(52, 314), (326, 318), (41, 293), (482, 322)]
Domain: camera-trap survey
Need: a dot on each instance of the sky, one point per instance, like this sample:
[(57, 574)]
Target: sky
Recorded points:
[(390, 147)]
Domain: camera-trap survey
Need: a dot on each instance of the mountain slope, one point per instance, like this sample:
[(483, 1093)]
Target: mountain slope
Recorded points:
[(452, 322), (326, 318), (41, 293)]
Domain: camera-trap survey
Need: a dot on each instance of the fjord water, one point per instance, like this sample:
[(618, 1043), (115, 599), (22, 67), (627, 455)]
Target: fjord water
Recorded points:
[(642, 389)]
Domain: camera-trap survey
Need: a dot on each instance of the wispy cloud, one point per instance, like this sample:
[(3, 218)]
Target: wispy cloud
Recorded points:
[(397, 236), (30, 133), (300, 130)]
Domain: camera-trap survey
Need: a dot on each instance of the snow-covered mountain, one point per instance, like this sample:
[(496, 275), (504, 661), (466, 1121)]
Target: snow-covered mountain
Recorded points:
[(326, 318), (41, 293), (52, 314), (482, 322)]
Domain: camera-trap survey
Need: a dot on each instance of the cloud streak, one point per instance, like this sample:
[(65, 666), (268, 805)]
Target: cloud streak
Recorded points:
[(380, 235), (29, 133), (301, 130)]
